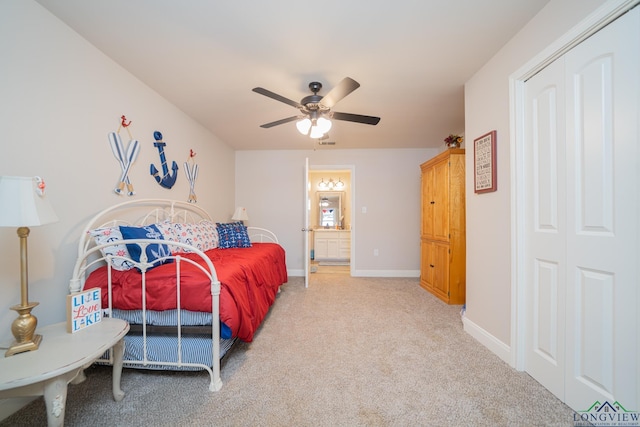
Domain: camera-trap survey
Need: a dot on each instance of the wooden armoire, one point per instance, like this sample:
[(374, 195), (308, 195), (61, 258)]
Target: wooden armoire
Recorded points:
[(443, 258)]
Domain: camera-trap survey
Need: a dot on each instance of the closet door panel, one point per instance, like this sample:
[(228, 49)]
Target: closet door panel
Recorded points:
[(545, 224), (602, 208)]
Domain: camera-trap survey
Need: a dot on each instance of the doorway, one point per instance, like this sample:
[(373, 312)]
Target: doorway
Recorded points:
[(330, 219)]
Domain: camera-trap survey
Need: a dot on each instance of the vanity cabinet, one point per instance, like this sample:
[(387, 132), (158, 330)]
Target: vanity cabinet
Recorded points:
[(332, 244), (443, 243)]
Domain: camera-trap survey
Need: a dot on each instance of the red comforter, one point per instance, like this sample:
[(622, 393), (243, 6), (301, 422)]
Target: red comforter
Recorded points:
[(249, 279)]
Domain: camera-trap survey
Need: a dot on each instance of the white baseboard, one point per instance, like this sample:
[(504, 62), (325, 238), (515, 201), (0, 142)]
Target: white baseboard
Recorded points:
[(296, 273), (502, 350), (386, 273), (10, 406), (369, 273)]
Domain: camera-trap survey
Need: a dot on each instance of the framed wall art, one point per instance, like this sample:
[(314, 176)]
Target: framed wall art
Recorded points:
[(484, 162)]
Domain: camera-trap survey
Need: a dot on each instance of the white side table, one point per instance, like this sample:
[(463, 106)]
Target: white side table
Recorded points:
[(60, 359)]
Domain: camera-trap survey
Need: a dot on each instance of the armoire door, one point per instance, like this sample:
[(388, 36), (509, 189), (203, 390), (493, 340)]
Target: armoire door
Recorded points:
[(441, 269), (428, 203), (441, 200), (582, 220)]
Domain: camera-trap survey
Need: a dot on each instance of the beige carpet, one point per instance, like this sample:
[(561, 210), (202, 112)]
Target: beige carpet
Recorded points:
[(344, 352)]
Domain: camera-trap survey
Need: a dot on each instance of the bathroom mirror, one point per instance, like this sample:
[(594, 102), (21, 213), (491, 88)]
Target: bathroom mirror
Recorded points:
[(329, 208)]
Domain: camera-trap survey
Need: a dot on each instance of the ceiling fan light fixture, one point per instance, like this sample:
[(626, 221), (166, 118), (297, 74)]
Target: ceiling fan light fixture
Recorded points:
[(303, 126), (323, 125), (316, 132)]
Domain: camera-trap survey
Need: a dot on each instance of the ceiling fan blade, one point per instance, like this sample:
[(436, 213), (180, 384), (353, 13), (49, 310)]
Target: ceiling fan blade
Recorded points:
[(348, 117), (279, 122), (344, 88), (277, 97)]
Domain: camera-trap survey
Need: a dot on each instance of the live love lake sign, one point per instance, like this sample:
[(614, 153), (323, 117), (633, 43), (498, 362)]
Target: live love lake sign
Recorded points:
[(83, 309)]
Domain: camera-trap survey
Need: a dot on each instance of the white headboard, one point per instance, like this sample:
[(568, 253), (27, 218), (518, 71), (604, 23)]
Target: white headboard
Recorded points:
[(141, 212)]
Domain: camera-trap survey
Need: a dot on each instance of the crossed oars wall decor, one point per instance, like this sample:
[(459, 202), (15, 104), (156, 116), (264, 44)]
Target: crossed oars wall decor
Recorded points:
[(191, 170), (125, 158)]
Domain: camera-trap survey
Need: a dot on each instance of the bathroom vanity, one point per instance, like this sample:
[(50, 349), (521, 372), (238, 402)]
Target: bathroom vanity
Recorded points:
[(332, 244)]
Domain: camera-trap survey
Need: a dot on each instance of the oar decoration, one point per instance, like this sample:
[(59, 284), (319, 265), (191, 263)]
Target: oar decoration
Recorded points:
[(125, 158), (191, 170)]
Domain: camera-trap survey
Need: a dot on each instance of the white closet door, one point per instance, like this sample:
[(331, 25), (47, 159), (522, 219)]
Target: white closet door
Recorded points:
[(546, 227), (602, 209), (582, 219)]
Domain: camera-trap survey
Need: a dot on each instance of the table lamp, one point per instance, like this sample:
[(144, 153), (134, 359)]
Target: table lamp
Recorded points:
[(240, 214), (23, 205)]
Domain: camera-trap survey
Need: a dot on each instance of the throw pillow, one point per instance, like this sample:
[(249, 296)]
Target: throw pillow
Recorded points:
[(233, 235), (154, 251), (166, 228), (118, 252), (202, 235)]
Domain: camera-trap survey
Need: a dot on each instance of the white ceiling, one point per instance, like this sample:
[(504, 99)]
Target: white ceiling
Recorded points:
[(411, 57)]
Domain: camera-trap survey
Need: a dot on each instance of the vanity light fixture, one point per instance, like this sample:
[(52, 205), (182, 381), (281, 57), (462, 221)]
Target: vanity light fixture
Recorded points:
[(331, 184)]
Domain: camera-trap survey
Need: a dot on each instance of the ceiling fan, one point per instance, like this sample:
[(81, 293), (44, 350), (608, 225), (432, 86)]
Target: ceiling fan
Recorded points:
[(315, 109)]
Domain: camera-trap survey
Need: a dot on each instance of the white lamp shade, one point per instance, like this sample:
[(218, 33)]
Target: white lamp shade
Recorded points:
[(240, 214), (324, 125), (23, 202), (303, 126), (316, 133)]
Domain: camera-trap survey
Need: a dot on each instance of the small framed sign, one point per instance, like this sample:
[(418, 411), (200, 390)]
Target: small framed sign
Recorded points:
[(83, 309), (484, 162)]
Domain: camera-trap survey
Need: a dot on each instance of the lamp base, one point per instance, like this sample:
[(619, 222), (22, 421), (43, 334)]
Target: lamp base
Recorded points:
[(24, 346), (23, 329)]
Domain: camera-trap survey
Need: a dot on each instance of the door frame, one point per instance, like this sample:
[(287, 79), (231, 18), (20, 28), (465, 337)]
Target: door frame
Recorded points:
[(306, 229), (600, 18), (352, 172)]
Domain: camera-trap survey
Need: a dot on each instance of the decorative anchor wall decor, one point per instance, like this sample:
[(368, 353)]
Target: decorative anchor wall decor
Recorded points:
[(167, 179), (127, 158)]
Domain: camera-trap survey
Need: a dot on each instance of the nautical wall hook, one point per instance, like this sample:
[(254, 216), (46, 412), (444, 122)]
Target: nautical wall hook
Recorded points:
[(167, 179)]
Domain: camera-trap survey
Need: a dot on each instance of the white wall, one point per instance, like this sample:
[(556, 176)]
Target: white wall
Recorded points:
[(488, 215), (60, 98), (270, 184)]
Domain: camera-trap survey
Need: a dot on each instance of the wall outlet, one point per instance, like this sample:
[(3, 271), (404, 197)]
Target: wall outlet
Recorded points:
[(375, 252)]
